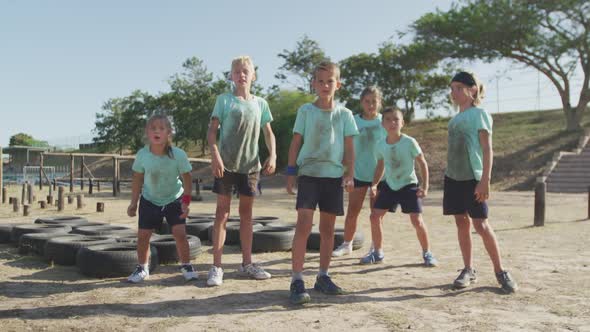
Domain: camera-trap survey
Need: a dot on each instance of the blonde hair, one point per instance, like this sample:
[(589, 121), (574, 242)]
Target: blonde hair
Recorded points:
[(164, 119), (327, 65), (243, 60)]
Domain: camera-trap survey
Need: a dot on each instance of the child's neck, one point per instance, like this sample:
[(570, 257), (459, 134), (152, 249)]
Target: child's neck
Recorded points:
[(158, 149), (326, 103), (369, 116), (243, 92), (393, 136), (465, 106)]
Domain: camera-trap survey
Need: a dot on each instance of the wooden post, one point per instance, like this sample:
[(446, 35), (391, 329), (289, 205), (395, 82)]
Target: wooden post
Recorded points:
[(118, 177), (198, 197), (4, 192), (23, 193), (49, 199), (1, 175), (82, 173), (10, 199), (54, 184), (540, 191), (31, 194), (41, 171), (98, 185), (15, 204), (99, 207), (60, 198), (115, 179), (71, 173), (90, 185), (26, 210), (80, 201), (588, 202), (70, 199), (42, 204)]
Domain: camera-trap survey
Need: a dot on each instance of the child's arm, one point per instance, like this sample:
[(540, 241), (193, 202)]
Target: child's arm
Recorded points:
[(379, 170), (216, 162), (482, 190), (136, 184), (348, 163), (292, 161), (187, 185), (424, 177), (269, 138)]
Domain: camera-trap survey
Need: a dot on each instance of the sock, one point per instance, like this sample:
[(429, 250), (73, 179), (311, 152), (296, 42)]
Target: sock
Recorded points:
[(379, 252), (296, 276), (322, 273), (346, 243), (146, 267), (186, 265)]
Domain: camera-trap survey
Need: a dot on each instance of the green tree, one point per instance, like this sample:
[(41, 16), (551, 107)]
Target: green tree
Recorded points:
[(300, 63), (22, 139), (551, 36)]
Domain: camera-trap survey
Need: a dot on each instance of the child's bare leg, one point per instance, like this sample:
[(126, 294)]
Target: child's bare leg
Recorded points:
[(302, 230), (143, 245), (377, 228), (463, 223), (327, 221), (421, 230), (246, 203), (355, 204), (182, 247), (221, 215), (484, 229)]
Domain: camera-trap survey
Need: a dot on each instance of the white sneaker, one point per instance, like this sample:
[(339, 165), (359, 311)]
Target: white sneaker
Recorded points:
[(139, 275), (343, 249), (189, 273), (254, 271), (215, 277)]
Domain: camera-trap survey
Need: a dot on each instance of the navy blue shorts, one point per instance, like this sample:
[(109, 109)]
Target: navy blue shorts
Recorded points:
[(389, 199), (459, 197), (327, 193), (151, 215), (245, 184), (360, 184)]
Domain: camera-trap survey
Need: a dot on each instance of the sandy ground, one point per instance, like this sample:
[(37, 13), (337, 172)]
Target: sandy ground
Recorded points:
[(550, 263)]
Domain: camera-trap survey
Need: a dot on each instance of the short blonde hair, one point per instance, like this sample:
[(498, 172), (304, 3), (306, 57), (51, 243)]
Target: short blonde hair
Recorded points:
[(243, 60), (327, 65)]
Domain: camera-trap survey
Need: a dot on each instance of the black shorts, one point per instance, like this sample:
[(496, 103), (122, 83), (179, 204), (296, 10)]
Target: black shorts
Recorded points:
[(389, 199), (327, 193), (459, 197), (361, 184), (150, 214), (245, 184)]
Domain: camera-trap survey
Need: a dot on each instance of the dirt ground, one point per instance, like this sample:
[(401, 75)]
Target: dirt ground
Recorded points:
[(550, 263)]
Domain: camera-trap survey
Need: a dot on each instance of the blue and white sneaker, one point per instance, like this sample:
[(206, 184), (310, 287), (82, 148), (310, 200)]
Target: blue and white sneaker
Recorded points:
[(140, 274), (372, 258), (429, 260)]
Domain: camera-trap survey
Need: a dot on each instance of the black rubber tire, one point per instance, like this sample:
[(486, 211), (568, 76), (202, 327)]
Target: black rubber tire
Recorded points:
[(132, 239), (63, 250), (269, 239), (199, 228), (19, 231), (88, 224), (265, 219), (227, 224), (357, 241), (34, 243), (61, 220), (232, 235), (111, 260), (103, 230), (210, 216), (281, 224), (6, 230), (167, 248)]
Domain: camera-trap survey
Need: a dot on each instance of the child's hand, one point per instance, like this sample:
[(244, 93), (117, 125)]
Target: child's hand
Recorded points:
[(482, 191), (422, 192), (185, 211), (290, 184), (131, 209), (270, 165), (373, 191), (217, 167), (348, 184)]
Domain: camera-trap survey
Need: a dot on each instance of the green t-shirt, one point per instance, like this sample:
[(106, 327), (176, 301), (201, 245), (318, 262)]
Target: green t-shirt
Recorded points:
[(323, 134), (240, 121), (398, 159), (161, 174), (465, 156), (371, 132)]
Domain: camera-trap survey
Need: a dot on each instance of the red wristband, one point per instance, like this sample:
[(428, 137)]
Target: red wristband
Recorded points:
[(186, 199)]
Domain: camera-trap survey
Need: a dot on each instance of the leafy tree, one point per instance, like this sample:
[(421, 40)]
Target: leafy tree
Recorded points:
[(551, 36), (300, 63), (22, 139)]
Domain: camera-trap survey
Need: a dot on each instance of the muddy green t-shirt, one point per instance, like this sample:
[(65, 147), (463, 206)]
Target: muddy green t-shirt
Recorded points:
[(323, 134), (398, 159), (465, 156), (161, 174), (371, 132), (240, 121)]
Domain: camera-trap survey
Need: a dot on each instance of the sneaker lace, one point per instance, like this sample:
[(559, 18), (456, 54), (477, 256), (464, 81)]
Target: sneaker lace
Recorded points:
[(214, 273), (328, 281), (138, 270), (504, 276), (187, 268), (298, 286), (254, 269)]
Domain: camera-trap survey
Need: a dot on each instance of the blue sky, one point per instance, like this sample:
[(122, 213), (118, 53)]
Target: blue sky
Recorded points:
[(61, 60)]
